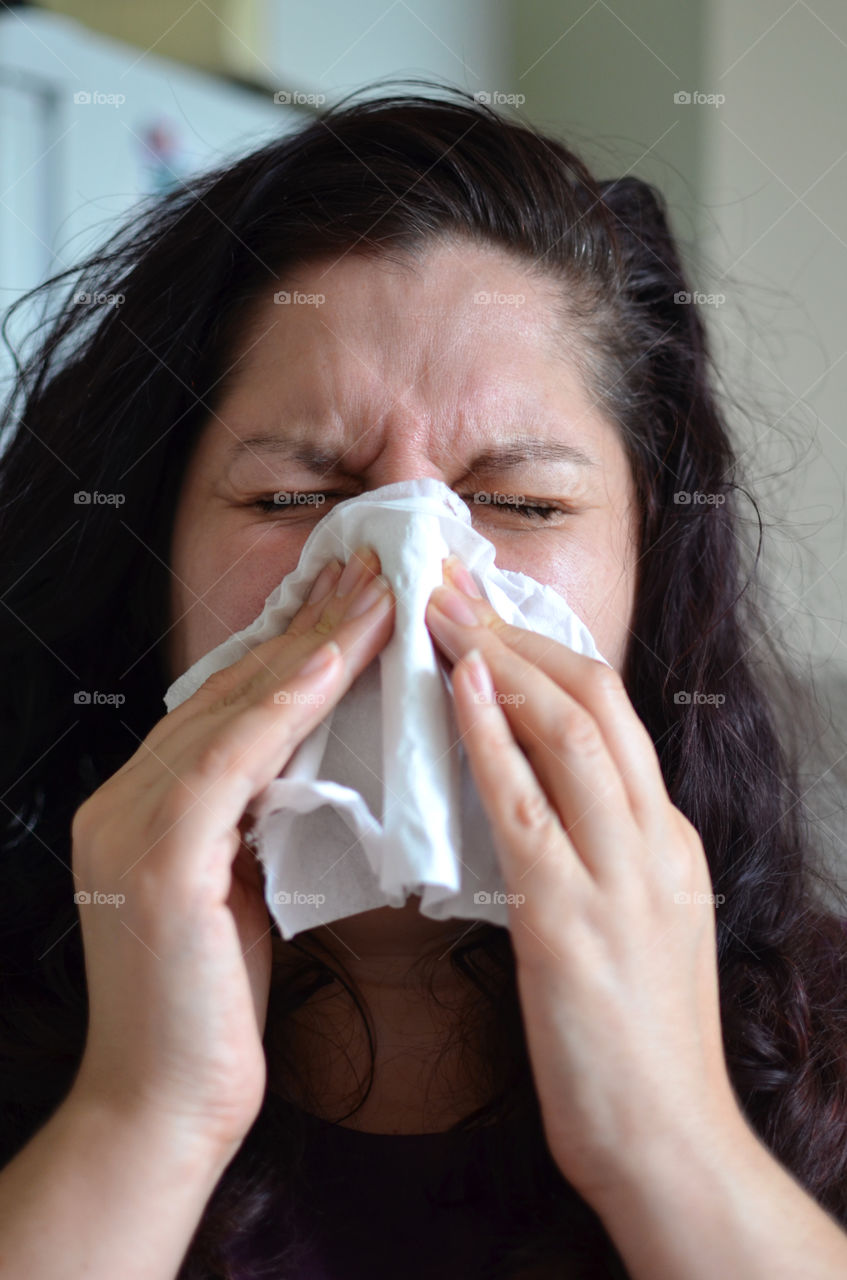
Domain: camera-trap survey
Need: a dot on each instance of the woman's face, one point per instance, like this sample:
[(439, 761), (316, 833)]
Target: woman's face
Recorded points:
[(404, 372)]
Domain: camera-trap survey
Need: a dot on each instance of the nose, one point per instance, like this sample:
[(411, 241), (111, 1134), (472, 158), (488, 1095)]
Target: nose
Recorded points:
[(405, 456)]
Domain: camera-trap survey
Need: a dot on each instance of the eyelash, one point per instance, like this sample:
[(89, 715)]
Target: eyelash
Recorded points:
[(530, 511)]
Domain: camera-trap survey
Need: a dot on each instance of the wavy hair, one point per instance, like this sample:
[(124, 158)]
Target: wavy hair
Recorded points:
[(112, 399)]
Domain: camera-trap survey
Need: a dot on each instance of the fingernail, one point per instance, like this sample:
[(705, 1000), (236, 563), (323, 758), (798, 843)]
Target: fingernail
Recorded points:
[(355, 568), (454, 605), (375, 590), (323, 582), (320, 658), (479, 675), (461, 576)]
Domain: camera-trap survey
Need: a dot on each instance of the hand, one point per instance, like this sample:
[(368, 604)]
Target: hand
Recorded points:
[(610, 911), (179, 973)]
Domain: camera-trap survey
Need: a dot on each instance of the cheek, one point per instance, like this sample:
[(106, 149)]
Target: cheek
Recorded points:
[(219, 585), (593, 573)]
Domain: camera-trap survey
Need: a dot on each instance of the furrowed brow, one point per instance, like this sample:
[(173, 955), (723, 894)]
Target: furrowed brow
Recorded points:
[(307, 454), (510, 453)]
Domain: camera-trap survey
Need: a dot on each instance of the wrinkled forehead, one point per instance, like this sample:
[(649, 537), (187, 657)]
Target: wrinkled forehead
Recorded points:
[(450, 342)]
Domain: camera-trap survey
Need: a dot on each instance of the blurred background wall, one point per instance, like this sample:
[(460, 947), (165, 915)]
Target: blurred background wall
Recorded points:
[(736, 111)]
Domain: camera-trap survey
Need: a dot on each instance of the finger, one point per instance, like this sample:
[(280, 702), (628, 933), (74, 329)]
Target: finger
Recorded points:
[(212, 767), (340, 610), (568, 753), (597, 686), (527, 831)]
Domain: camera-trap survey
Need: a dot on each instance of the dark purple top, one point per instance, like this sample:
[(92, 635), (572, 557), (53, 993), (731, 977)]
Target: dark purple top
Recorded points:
[(378, 1206)]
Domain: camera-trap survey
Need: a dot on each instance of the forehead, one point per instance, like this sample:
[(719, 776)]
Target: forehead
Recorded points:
[(461, 339), (451, 308)]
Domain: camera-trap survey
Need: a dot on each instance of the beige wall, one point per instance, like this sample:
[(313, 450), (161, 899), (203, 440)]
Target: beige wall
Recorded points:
[(774, 187), (606, 83)]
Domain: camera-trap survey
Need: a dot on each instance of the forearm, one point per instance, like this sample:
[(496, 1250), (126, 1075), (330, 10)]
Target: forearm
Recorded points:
[(98, 1195), (718, 1207)]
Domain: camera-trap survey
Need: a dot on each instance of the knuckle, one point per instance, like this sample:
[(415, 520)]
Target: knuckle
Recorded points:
[(496, 744), (689, 832), (531, 813), (177, 801), (499, 627), (576, 732), (228, 694), (212, 761), (91, 819), (605, 680), (84, 821), (220, 681)]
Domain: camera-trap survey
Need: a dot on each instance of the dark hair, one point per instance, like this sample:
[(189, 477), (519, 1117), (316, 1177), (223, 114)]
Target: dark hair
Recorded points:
[(113, 399)]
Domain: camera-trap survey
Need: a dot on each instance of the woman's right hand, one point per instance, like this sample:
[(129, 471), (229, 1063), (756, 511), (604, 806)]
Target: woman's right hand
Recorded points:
[(178, 974)]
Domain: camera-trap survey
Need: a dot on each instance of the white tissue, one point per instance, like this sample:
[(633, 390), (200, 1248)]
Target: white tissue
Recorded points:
[(379, 802)]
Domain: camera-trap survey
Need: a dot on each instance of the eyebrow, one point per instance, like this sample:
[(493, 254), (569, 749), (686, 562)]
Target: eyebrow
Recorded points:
[(510, 453)]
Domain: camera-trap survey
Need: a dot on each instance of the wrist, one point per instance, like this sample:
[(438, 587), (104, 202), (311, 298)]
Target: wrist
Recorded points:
[(675, 1159), (149, 1133)]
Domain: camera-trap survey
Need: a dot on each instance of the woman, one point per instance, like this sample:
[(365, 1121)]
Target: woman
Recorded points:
[(644, 1074)]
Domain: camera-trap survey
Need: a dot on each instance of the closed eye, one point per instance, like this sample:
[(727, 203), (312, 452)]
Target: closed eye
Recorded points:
[(307, 500), (509, 502)]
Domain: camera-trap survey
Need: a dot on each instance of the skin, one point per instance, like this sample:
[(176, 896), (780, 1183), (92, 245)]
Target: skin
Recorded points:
[(403, 374)]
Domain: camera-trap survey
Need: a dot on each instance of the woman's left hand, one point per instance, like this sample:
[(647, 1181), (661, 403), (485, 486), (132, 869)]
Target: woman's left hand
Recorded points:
[(611, 911)]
